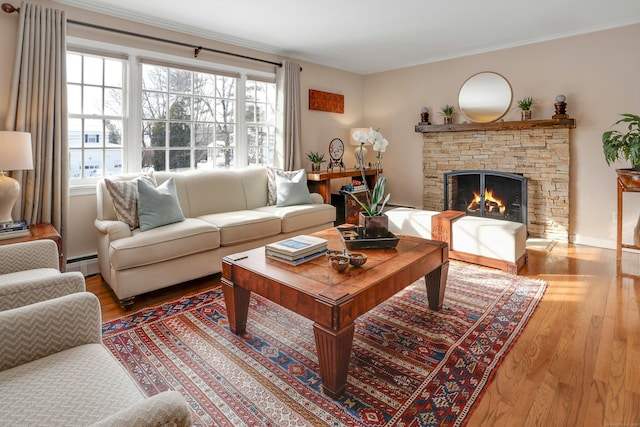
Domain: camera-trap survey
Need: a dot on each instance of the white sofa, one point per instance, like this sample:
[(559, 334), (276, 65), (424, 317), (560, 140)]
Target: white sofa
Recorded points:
[(55, 371), (226, 211)]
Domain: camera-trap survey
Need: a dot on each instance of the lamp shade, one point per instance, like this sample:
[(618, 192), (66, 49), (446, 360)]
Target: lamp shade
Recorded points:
[(15, 151)]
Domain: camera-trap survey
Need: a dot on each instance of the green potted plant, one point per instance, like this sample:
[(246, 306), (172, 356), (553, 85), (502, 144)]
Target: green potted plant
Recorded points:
[(623, 146), (447, 111), (316, 159), (525, 105)]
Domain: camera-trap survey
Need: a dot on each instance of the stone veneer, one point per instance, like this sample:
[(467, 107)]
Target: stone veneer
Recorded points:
[(540, 154)]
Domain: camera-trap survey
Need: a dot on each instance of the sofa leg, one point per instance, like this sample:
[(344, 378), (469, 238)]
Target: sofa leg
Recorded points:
[(126, 302)]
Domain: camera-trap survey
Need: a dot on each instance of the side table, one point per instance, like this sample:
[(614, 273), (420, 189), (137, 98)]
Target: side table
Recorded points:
[(41, 231), (628, 182), (320, 182)]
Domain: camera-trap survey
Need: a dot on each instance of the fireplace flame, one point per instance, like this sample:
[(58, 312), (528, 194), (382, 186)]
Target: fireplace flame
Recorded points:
[(491, 204)]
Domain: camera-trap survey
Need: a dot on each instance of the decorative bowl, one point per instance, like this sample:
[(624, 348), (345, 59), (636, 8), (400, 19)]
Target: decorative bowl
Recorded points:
[(339, 263), (357, 259), (333, 252)]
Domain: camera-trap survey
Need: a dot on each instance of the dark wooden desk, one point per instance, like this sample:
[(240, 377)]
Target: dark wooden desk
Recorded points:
[(40, 231), (330, 299), (320, 182)]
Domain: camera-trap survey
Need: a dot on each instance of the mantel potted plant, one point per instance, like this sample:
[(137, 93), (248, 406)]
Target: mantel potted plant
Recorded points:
[(316, 159), (617, 145), (525, 105), (372, 219), (447, 111)]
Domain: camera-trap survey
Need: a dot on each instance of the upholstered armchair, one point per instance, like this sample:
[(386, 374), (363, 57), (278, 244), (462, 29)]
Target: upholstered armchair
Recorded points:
[(29, 273), (54, 370)]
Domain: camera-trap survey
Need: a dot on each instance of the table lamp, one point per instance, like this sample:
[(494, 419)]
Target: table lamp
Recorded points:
[(15, 154), (360, 151)]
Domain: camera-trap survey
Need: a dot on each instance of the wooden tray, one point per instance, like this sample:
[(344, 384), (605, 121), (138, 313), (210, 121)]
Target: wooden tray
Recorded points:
[(353, 238)]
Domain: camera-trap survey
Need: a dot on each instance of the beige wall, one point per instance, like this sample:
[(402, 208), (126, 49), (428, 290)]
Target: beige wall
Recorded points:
[(597, 72)]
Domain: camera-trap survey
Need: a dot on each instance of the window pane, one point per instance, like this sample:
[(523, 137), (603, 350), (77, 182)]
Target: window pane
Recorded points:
[(92, 100), (93, 133), (180, 81), (113, 129), (203, 109), (180, 108), (153, 159), (113, 73), (225, 111), (154, 105), (204, 134), (204, 84), (75, 164), (92, 163), (92, 72), (179, 134), (113, 102), (154, 134), (179, 159), (74, 99), (154, 77), (74, 127), (226, 87), (113, 160)]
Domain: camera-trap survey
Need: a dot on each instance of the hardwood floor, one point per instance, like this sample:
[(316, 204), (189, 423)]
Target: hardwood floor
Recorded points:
[(577, 363)]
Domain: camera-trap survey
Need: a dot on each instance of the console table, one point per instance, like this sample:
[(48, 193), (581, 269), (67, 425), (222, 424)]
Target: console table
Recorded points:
[(628, 181), (320, 182)]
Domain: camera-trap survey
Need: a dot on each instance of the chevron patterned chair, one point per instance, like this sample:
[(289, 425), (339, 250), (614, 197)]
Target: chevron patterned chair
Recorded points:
[(29, 273), (54, 370)]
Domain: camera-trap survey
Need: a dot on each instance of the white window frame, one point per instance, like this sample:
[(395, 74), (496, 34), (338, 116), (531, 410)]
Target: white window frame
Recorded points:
[(132, 93)]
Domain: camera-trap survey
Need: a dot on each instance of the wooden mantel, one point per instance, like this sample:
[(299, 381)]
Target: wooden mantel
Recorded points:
[(524, 124)]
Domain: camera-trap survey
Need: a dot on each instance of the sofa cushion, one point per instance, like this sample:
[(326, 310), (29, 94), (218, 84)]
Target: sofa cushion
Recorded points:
[(158, 206), (163, 243), (74, 387), (244, 226), (124, 195), (299, 217)]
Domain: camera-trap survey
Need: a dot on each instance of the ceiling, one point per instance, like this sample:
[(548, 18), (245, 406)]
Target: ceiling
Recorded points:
[(369, 36)]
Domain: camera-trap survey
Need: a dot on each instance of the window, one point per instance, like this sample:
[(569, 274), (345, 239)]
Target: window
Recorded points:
[(95, 125), (176, 118)]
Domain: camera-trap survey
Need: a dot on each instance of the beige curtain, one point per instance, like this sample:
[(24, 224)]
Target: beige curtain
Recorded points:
[(288, 139), (38, 104)]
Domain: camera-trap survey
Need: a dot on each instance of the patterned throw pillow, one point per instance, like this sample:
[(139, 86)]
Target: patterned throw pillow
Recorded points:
[(272, 197), (124, 195)]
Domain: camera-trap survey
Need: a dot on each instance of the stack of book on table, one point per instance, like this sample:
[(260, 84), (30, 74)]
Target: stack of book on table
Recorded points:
[(14, 229), (296, 250)]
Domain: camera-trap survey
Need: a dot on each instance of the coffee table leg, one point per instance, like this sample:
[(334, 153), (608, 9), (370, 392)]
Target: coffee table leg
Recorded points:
[(237, 301), (436, 284), (334, 353)]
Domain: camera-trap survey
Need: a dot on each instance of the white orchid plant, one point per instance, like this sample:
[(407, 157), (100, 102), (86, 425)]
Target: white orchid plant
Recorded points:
[(376, 200)]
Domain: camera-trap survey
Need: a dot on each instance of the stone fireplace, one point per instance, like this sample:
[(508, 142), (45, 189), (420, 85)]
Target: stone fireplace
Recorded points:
[(535, 149)]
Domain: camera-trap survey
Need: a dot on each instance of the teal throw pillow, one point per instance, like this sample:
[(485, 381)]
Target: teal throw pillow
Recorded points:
[(158, 206), (292, 188)]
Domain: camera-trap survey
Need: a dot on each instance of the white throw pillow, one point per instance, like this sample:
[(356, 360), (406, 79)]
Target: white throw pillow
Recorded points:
[(291, 188)]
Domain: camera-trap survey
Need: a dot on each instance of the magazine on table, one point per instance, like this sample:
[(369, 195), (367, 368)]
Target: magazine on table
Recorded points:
[(296, 247)]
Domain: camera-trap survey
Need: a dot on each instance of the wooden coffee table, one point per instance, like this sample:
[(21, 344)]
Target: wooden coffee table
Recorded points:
[(330, 299)]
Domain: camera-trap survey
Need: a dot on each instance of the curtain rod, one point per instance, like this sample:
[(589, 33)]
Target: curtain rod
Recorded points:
[(9, 8)]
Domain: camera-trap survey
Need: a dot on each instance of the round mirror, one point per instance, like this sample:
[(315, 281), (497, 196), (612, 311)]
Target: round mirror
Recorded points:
[(485, 97)]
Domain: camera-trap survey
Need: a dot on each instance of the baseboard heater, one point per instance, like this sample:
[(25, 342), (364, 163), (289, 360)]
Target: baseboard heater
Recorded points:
[(87, 265)]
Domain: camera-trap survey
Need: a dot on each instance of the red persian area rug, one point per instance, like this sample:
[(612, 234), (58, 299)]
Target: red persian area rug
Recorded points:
[(410, 366)]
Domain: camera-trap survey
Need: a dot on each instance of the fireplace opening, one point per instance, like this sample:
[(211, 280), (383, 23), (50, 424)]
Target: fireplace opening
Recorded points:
[(486, 193)]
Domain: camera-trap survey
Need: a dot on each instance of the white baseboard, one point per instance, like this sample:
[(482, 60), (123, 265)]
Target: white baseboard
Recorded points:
[(88, 266)]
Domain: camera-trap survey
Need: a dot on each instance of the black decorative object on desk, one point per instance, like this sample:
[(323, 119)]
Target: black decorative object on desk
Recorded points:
[(560, 107)]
